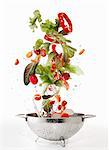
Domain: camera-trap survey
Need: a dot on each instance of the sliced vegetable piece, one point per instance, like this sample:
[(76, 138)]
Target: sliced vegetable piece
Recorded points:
[(29, 70), (50, 39), (46, 46), (52, 102), (46, 96), (57, 24), (54, 48), (64, 103), (73, 69), (58, 98), (56, 76), (16, 62), (82, 51), (66, 76), (37, 16), (66, 84), (37, 97), (38, 44), (33, 79), (65, 115), (29, 54), (66, 28), (37, 51), (59, 107), (68, 52), (46, 106), (43, 52)]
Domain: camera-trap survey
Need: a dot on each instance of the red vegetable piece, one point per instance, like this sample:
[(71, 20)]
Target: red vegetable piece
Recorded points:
[(53, 67), (37, 97), (37, 52), (52, 102), (65, 115), (16, 62), (66, 76), (66, 84), (58, 98), (61, 17), (63, 108), (43, 52), (56, 76), (59, 107), (54, 48), (50, 39), (64, 103), (82, 51), (33, 79)]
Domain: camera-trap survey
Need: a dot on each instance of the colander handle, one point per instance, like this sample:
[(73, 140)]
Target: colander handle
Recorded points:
[(22, 116), (88, 116)]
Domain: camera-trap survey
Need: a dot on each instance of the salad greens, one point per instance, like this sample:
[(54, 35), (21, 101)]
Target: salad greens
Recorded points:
[(57, 69)]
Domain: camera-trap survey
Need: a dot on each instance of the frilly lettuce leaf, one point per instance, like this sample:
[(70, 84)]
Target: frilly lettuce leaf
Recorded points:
[(37, 16)]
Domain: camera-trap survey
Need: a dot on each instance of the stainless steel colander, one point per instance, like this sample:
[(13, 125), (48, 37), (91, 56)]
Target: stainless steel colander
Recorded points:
[(55, 129)]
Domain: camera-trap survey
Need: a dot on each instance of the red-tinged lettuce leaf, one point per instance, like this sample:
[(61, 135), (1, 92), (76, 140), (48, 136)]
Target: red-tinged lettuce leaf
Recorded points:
[(29, 70)]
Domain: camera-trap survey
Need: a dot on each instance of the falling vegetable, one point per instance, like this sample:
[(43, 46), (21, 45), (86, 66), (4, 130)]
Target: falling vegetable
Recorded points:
[(33, 79), (37, 97), (66, 28), (16, 62), (29, 54), (82, 51), (57, 70)]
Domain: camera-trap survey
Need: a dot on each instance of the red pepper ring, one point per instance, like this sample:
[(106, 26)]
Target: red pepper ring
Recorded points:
[(50, 39), (61, 17)]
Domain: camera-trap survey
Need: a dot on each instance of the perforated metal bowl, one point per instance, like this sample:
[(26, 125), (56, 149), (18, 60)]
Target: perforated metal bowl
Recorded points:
[(55, 129)]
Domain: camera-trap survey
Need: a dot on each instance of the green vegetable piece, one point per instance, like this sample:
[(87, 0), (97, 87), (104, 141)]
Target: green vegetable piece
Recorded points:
[(45, 74), (73, 69), (46, 105), (46, 46), (37, 16), (58, 83), (50, 57), (39, 70), (68, 52), (48, 27), (38, 44), (57, 24), (29, 70), (46, 79)]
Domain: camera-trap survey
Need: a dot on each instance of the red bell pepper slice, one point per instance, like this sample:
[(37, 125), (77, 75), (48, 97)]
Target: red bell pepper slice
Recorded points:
[(50, 39), (61, 17)]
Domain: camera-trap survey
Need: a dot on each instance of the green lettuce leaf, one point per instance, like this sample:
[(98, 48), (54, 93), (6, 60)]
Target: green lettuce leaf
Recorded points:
[(46, 105), (37, 16), (73, 69), (45, 74), (46, 46), (48, 27), (68, 52), (38, 44)]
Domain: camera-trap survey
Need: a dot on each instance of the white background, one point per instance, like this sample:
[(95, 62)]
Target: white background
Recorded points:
[(89, 21)]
